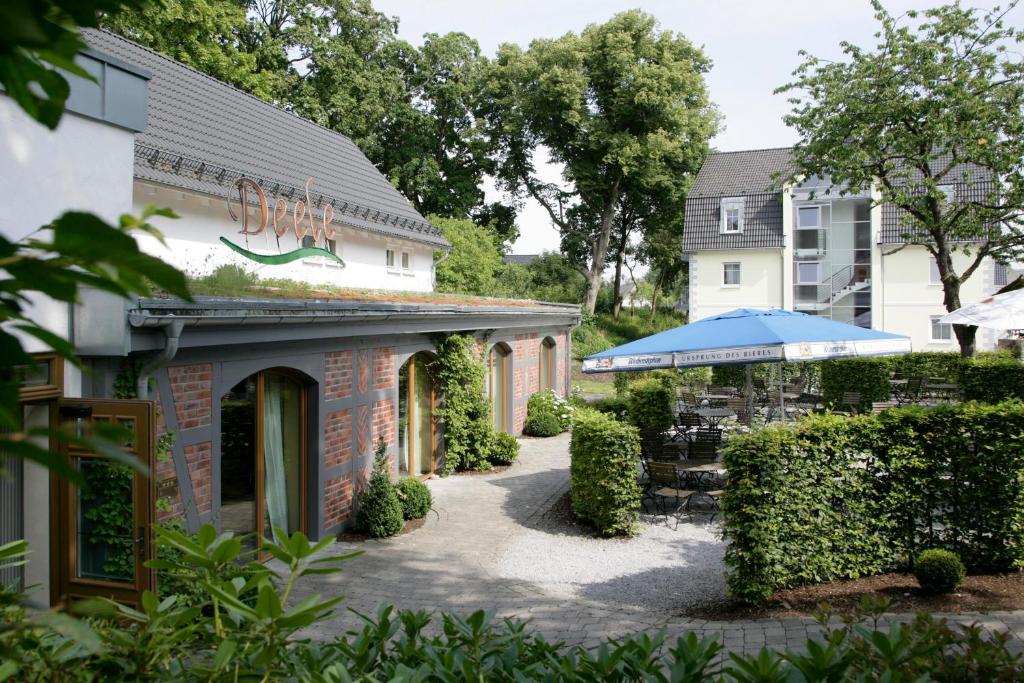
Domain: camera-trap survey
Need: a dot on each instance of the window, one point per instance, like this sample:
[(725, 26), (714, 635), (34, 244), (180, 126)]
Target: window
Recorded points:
[(940, 332), (406, 261), (389, 258), (1001, 276), (308, 241), (933, 272), (732, 215), (332, 246), (808, 273), (730, 275), (949, 191), (808, 217)]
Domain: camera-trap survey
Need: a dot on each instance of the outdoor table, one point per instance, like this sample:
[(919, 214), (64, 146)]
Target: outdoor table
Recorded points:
[(945, 391), (714, 416), (715, 398), (702, 473)]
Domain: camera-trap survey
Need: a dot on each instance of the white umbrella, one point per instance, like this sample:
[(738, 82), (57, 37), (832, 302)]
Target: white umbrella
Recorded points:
[(999, 311)]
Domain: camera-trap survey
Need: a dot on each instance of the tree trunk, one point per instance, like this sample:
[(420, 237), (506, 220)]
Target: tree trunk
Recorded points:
[(654, 296), (600, 250), (966, 335), (617, 284)]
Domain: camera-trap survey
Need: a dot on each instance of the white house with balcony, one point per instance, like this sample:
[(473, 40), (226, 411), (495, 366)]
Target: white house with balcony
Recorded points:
[(751, 241)]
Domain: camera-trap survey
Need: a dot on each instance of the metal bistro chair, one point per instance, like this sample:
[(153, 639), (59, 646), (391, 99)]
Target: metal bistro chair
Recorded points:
[(704, 445), (688, 400), (738, 405), (686, 423), (850, 402), (665, 483)]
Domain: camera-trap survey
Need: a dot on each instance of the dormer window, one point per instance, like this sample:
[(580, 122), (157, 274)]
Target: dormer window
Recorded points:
[(732, 216)]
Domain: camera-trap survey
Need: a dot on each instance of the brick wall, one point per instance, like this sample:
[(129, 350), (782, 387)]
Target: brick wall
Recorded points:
[(338, 438), (363, 370), (384, 376), (191, 386), (165, 470), (199, 458), (337, 374), (384, 421), (363, 445), (337, 500)]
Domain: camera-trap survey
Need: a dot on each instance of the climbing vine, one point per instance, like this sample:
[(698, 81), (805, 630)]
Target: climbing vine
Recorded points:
[(463, 412)]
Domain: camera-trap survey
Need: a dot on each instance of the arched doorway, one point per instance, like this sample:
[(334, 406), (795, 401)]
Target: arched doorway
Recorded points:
[(499, 384), (416, 447), (547, 364), (263, 454)]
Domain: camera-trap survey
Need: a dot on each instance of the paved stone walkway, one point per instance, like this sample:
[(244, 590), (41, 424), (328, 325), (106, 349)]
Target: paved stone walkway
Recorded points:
[(450, 564)]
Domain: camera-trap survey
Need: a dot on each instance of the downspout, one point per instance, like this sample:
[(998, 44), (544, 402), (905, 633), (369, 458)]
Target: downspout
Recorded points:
[(172, 333)]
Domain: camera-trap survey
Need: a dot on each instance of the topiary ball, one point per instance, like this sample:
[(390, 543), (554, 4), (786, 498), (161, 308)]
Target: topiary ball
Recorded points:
[(380, 510), (505, 449), (415, 497), (543, 424), (939, 571)]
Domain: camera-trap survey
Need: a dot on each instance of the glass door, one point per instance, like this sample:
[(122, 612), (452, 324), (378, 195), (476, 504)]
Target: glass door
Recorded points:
[(498, 384), (282, 427), (420, 427), (103, 533)]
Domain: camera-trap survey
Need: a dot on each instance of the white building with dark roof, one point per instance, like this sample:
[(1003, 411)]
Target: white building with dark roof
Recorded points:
[(752, 240), (254, 411)]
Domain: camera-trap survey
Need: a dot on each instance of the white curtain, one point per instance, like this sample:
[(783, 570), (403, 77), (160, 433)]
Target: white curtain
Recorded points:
[(276, 492)]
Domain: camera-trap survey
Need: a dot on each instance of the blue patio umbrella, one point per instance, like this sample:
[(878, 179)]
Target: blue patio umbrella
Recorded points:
[(744, 336)]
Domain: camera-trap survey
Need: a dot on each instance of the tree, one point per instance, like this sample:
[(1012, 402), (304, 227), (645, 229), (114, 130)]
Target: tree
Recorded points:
[(474, 262), (934, 118), (620, 103)]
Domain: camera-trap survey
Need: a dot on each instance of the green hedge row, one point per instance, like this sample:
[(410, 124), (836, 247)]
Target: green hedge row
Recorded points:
[(988, 377), (834, 497), (652, 404), (604, 457)]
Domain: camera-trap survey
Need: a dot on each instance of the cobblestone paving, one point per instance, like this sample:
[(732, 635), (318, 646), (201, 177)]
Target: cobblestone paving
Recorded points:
[(450, 564)]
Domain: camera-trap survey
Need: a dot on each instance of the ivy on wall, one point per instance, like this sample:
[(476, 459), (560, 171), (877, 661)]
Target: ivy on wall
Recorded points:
[(463, 411)]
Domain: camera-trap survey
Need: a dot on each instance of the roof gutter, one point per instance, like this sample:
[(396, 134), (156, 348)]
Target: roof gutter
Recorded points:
[(172, 328)]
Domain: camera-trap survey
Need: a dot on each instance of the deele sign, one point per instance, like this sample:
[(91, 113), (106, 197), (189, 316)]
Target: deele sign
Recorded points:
[(301, 222)]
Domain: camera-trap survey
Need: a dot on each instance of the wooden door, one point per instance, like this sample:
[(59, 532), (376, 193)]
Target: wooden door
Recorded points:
[(102, 529)]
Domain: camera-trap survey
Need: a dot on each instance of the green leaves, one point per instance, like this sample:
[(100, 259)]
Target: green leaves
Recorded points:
[(604, 457)]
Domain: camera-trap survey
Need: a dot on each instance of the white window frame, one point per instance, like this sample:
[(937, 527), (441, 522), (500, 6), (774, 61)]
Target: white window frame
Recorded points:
[(731, 204), (390, 262), (817, 280), (817, 226), (405, 262), (949, 191), (932, 321), (739, 274), (934, 277)]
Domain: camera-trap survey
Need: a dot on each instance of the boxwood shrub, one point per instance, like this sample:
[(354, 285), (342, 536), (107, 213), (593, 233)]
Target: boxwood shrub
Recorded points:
[(938, 571), (605, 454), (415, 497), (504, 450), (380, 510), (835, 497), (549, 413), (652, 404)]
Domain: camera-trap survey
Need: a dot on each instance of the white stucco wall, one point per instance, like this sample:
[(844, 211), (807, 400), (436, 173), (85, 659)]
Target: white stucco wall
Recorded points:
[(83, 165), (761, 281), (193, 245), (908, 300)]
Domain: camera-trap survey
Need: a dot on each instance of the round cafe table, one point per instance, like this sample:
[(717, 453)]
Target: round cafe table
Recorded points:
[(714, 416)]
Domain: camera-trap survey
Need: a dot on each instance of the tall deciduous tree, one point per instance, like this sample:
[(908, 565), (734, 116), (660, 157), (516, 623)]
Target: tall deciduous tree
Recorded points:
[(934, 117), (621, 103)]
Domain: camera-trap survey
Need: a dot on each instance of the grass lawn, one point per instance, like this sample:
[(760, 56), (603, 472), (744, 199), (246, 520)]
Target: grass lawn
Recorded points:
[(590, 386)]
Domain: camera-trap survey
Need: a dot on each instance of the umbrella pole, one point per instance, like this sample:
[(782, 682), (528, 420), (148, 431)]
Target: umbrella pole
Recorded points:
[(782, 395), (750, 394)]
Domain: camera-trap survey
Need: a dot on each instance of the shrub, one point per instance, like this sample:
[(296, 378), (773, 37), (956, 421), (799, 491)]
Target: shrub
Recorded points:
[(939, 571), (613, 405), (380, 510), (505, 449), (542, 424), (652, 405), (992, 379), (834, 497), (414, 496), (549, 403), (604, 457)]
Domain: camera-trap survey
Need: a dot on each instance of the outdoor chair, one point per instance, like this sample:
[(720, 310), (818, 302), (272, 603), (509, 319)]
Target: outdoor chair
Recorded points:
[(850, 402), (704, 444), (912, 391), (738, 405), (879, 406), (716, 501), (688, 399), (685, 424), (665, 483)]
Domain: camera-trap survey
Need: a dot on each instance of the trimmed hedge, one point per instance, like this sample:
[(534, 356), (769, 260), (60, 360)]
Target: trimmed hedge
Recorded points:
[(867, 376), (652, 404), (604, 457), (988, 377), (834, 497), (938, 571)]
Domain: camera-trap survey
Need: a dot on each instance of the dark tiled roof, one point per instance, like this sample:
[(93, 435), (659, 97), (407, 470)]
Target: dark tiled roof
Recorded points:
[(894, 225), (762, 223), (202, 134), (726, 174)]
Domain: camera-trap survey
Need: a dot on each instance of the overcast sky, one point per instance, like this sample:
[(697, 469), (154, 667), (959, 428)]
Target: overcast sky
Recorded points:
[(753, 44)]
